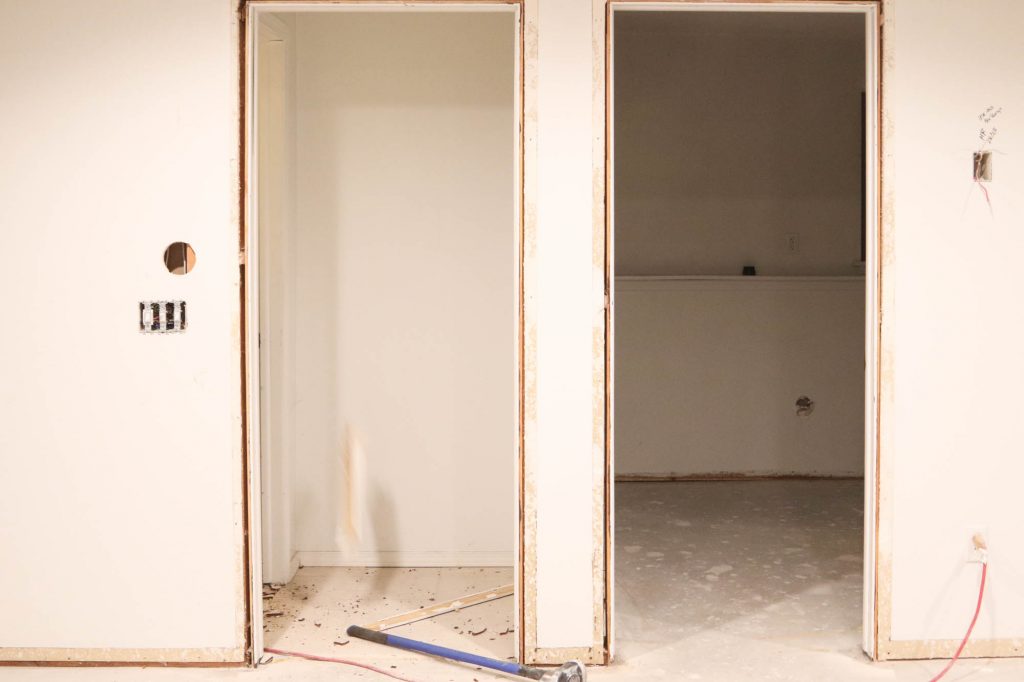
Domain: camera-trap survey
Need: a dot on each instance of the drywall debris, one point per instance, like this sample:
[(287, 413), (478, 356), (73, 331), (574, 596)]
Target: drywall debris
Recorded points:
[(337, 643), (477, 634), (272, 614)]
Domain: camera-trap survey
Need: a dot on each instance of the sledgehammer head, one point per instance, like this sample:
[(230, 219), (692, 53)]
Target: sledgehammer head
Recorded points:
[(573, 671)]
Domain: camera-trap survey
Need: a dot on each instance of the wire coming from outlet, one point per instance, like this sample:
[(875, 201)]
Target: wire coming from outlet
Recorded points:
[(343, 661), (977, 610)]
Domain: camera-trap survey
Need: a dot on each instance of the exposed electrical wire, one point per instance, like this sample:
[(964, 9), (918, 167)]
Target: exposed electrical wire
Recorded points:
[(343, 661), (984, 190), (977, 610)]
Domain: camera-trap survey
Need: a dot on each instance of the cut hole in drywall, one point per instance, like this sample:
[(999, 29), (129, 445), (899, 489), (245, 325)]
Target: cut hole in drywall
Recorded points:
[(983, 166), (804, 406), (180, 258)]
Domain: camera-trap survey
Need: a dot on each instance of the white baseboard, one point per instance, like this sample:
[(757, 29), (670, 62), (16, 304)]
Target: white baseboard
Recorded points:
[(402, 559)]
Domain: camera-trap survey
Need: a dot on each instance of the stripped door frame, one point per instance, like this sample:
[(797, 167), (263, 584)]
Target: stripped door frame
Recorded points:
[(873, 11), (249, 15)]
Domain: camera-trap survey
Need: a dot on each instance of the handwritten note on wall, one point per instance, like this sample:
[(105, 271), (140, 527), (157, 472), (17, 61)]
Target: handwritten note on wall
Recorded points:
[(988, 131)]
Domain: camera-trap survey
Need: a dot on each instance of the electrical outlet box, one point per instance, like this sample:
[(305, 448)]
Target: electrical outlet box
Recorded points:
[(983, 166), (793, 243), (977, 544)]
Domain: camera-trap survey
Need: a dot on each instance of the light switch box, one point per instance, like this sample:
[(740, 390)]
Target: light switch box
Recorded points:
[(162, 317)]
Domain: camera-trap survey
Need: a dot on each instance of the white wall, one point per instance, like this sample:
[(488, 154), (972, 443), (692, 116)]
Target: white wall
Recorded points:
[(953, 327), (405, 266), (732, 131), (121, 481), (564, 332), (708, 372), (275, 180)]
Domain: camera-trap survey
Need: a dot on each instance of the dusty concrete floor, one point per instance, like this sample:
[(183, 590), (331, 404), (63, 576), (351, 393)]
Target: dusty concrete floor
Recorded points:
[(716, 581)]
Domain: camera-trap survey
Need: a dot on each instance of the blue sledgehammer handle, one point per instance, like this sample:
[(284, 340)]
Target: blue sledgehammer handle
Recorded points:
[(444, 652)]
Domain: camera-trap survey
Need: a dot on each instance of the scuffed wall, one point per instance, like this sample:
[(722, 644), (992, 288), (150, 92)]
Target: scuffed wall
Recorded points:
[(404, 319)]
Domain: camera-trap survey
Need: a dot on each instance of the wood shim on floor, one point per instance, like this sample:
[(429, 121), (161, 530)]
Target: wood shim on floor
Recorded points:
[(440, 608)]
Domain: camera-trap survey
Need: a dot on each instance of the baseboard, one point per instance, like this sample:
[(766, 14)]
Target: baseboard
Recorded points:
[(402, 559), (732, 476)]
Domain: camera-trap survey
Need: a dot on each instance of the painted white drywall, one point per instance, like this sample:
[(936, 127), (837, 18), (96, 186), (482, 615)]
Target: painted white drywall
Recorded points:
[(404, 268), (953, 326), (275, 181), (565, 291), (732, 131), (121, 484), (708, 372)]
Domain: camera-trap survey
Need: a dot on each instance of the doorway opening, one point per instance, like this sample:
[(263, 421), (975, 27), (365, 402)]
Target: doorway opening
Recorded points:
[(383, 248), (743, 270)]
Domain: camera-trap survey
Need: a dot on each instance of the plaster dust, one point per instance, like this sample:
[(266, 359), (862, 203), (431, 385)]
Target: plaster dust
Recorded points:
[(321, 602), (716, 581)]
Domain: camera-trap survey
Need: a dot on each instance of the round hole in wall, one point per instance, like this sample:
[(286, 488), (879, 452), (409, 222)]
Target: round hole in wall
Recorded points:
[(180, 258)]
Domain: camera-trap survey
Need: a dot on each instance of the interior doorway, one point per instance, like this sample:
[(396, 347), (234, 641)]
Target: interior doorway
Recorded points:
[(743, 272), (383, 294)]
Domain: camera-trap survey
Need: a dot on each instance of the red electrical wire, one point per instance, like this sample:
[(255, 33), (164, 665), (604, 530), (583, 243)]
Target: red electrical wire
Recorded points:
[(343, 661), (977, 610), (984, 190)]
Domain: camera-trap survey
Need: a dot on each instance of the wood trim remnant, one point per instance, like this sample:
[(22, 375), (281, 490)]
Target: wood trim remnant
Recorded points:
[(441, 608), (528, 414), (94, 657), (727, 477), (525, 209), (745, 2), (249, 557), (609, 336), (341, 4)]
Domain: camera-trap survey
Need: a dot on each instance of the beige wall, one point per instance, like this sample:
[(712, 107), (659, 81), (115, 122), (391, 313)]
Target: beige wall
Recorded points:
[(733, 131), (404, 265), (708, 373)]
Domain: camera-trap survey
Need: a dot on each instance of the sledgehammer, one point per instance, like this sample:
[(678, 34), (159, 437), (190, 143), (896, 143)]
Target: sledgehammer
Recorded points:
[(569, 672)]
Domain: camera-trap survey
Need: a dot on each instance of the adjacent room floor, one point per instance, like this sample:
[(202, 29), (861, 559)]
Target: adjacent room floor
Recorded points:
[(744, 581)]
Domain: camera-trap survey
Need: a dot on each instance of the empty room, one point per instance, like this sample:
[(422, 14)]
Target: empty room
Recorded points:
[(738, 194)]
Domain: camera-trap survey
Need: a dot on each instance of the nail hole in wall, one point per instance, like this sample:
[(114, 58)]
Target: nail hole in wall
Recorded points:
[(180, 258)]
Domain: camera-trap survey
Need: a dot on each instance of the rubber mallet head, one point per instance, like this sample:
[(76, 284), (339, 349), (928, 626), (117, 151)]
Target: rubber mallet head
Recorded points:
[(573, 671)]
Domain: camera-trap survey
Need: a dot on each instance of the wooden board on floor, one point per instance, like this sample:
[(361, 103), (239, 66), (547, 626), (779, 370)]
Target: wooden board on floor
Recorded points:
[(441, 608)]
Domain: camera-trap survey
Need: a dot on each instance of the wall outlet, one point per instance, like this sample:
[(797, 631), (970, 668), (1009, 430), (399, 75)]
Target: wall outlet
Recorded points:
[(977, 545), (793, 243)]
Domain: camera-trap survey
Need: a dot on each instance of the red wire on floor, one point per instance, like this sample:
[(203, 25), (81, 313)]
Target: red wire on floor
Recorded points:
[(343, 661), (977, 610)]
